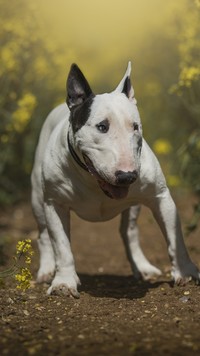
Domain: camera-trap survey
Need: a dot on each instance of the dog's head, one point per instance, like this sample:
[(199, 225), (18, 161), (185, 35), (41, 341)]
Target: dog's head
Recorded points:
[(107, 132)]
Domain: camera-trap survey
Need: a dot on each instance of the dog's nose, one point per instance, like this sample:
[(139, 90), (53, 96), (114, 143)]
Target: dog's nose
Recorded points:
[(125, 178)]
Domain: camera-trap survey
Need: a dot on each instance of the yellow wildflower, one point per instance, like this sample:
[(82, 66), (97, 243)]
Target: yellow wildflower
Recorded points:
[(188, 75), (21, 116), (162, 146), (173, 181), (23, 248), (23, 278), (28, 260), (7, 58)]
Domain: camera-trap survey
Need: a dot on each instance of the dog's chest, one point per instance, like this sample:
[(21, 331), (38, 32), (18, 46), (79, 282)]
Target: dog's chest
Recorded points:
[(93, 205), (94, 210)]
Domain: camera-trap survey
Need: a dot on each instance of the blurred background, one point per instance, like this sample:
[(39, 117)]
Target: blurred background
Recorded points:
[(39, 40)]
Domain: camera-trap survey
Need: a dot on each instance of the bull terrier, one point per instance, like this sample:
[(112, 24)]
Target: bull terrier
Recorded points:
[(92, 158)]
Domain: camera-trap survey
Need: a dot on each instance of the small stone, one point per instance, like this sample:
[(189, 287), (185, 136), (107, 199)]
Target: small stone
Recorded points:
[(177, 320), (10, 300), (187, 292), (184, 299), (81, 336), (26, 312)]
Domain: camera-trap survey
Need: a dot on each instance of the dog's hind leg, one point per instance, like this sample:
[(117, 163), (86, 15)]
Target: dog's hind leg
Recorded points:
[(166, 215), (129, 231)]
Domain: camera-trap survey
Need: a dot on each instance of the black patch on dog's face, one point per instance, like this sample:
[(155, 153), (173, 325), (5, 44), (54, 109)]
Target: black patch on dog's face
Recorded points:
[(80, 114)]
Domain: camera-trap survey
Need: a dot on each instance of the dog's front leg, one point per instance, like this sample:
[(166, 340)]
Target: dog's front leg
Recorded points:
[(58, 224), (129, 231), (165, 213)]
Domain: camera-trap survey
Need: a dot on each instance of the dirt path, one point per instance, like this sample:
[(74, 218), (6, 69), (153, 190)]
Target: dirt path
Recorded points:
[(114, 315)]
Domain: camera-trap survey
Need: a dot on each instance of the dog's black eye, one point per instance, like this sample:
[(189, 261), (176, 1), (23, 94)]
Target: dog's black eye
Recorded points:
[(103, 126), (135, 126)]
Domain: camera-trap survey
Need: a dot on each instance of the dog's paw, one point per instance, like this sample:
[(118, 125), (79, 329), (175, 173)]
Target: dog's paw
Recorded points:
[(65, 286), (187, 273), (147, 272), (63, 289), (45, 275)]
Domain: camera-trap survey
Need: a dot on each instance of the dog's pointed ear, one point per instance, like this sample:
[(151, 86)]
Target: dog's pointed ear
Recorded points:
[(78, 89), (125, 85)]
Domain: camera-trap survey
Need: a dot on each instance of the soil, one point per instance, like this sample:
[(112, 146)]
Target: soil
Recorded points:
[(115, 315)]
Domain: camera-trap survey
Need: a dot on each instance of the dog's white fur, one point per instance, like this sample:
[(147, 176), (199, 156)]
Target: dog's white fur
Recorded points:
[(61, 185)]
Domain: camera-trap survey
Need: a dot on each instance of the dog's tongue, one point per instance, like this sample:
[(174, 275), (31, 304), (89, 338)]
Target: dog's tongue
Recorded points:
[(112, 191)]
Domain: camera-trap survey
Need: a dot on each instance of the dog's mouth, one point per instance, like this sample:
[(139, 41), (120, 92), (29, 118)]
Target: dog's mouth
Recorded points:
[(112, 191)]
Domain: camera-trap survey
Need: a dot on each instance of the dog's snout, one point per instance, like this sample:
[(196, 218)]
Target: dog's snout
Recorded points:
[(125, 178)]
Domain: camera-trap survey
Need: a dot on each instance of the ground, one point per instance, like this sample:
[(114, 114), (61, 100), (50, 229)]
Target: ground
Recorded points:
[(115, 315)]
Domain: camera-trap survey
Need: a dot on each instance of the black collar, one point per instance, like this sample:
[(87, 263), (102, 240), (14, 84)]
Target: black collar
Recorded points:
[(75, 156)]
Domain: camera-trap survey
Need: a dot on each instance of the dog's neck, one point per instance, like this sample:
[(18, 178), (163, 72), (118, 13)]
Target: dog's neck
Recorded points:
[(75, 156)]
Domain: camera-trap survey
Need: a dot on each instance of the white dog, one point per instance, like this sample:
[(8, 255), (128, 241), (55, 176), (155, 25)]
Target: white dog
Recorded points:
[(92, 159)]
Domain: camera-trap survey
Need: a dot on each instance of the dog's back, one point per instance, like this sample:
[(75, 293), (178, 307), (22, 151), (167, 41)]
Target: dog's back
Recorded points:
[(58, 114), (52, 120)]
